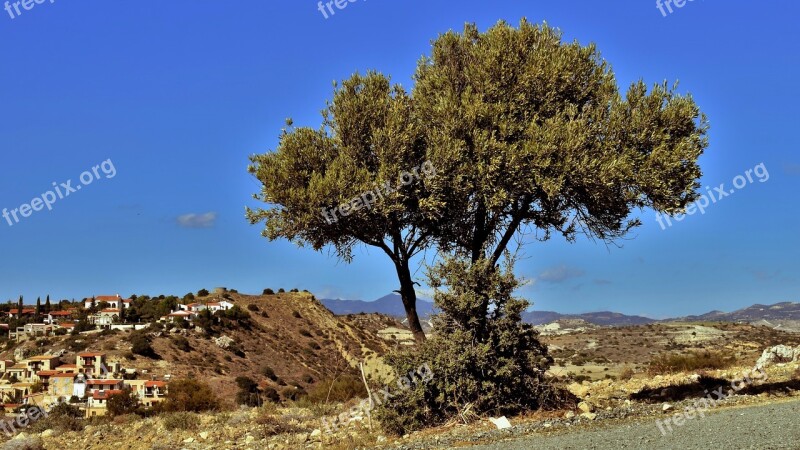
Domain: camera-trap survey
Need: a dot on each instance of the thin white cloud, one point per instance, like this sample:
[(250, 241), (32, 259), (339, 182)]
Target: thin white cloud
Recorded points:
[(559, 274), (192, 220)]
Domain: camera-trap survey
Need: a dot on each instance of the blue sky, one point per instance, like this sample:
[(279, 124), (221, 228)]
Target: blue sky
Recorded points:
[(177, 95)]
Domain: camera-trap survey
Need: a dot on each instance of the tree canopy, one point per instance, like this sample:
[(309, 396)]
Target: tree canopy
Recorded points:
[(524, 134)]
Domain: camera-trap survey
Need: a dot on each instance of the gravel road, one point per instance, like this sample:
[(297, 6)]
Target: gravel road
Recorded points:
[(762, 427)]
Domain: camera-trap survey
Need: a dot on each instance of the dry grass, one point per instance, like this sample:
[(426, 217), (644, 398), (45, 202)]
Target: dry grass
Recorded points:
[(689, 362)]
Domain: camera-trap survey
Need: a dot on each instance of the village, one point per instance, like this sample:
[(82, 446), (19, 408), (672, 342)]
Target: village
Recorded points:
[(92, 378)]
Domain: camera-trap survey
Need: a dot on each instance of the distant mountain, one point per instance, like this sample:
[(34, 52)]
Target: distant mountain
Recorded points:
[(391, 305), (604, 318), (755, 313)]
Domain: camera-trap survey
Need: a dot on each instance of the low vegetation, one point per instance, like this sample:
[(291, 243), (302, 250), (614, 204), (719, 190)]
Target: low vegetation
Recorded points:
[(688, 362)]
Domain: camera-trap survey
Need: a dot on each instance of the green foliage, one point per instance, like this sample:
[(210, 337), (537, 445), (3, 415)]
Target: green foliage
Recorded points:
[(125, 402), (202, 293), (481, 355), (140, 345), (181, 343), (190, 395), (268, 291), (341, 389), (249, 394)]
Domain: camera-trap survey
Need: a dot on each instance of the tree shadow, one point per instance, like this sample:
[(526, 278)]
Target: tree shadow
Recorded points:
[(709, 385)]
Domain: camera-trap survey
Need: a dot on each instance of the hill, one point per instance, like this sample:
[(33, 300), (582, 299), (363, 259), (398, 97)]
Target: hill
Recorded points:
[(390, 305), (290, 335), (603, 318)]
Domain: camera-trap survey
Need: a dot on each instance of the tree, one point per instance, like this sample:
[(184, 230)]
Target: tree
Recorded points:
[(249, 394), (202, 293), (38, 311), (47, 307), (125, 402), (19, 308), (523, 132), (316, 179)]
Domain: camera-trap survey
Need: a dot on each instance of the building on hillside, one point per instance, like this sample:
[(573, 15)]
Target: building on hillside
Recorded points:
[(105, 317), (114, 301), (14, 313), (223, 305), (91, 364), (55, 316), (178, 315)]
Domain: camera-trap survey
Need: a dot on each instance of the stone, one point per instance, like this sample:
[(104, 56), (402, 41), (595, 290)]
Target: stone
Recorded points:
[(47, 433), (585, 407), (501, 422), (666, 407), (589, 415), (204, 435), (188, 440), (778, 354), (569, 415)]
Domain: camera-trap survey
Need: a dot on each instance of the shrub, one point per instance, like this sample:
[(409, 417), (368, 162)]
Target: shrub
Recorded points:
[(269, 373), (181, 343), (295, 290), (672, 363), (140, 345), (482, 355), (341, 389), (626, 373), (281, 291), (268, 291), (125, 402), (253, 307), (181, 421), (248, 394), (202, 293), (296, 315), (304, 332), (190, 395)]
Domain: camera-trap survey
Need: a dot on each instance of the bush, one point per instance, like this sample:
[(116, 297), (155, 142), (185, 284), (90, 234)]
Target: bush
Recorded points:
[(626, 373), (202, 293), (281, 291), (296, 315), (268, 291), (253, 307), (341, 389), (181, 343), (295, 290), (483, 355), (672, 363), (140, 345), (269, 373), (26, 443), (126, 402), (248, 394), (181, 421), (189, 395)]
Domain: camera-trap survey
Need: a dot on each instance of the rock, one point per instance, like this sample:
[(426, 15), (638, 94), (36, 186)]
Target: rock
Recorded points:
[(667, 407), (47, 433), (778, 354), (188, 440), (381, 439), (250, 438), (589, 415), (585, 407), (569, 415), (316, 435), (204, 435), (501, 422), (21, 436)]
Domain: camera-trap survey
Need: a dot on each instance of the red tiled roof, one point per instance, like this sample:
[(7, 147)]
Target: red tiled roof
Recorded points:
[(42, 358), (67, 366), (90, 355), (67, 325), (104, 382), (46, 373), (110, 310), (62, 375), (60, 313), (97, 395), (159, 384), (105, 298)]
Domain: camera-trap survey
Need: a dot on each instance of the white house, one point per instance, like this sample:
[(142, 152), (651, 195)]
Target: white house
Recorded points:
[(114, 301)]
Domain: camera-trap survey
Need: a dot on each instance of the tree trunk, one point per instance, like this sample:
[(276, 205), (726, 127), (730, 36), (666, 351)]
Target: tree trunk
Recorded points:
[(409, 297)]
